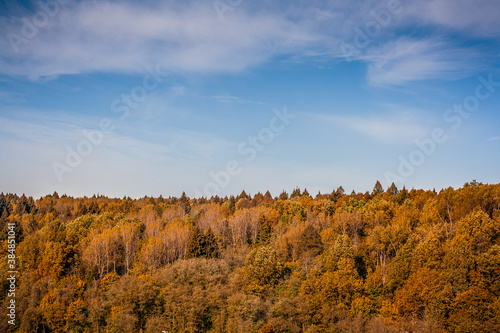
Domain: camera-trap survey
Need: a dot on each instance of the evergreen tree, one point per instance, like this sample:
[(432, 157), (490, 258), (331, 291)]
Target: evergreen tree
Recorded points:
[(202, 245), (283, 195), (377, 189), (309, 242), (24, 205), (402, 196), (340, 191), (295, 193), (184, 200), (4, 206), (393, 190), (243, 195), (211, 248), (196, 244)]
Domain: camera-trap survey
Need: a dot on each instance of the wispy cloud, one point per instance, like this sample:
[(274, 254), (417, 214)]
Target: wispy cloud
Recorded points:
[(59, 129), (125, 37), (31, 126), (395, 127), (234, 99), (108, 36), (494, 138), (12, 97), (406, 60), (478, 18)]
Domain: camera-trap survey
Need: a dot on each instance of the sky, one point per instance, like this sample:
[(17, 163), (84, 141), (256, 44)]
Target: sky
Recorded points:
[(135, 98)]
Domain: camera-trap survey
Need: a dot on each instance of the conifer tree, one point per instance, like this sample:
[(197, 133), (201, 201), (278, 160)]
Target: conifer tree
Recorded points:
[(393, 190), (283, 195), (377, 189), (295, 193), (196, 244)]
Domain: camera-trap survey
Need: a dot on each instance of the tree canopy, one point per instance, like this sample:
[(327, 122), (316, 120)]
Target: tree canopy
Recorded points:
[(386, 261)]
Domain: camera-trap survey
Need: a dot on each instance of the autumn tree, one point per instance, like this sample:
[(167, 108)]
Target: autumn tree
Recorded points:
[(413, 261), (128, 237)]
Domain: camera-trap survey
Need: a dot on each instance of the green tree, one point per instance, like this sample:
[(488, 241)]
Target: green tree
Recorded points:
[(263, 270), (196, 244), (202, 245)]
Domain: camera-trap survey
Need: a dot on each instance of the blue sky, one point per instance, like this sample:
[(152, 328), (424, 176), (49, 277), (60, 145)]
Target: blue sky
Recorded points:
[(160, 97)]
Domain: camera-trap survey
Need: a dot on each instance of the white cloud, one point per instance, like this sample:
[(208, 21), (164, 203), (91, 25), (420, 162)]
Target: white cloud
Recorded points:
[(478, 18), (28, 125), (12, 97), (108, 36), (494, 138), (406, 60), (395, 127), (234, 99), (130, 160), (61, 129)]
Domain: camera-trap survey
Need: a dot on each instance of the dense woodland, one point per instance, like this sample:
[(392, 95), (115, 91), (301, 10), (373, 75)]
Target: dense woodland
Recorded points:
[(387, 261)]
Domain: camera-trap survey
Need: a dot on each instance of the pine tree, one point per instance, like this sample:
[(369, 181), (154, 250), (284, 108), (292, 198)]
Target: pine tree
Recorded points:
[(243, 195), (295, 193), (283, 195), (196, 244), (402, 195), (211, 249), (377, 189), (3, 205), (184, 200), (393, 190), (340, 191), (309, 242), (202, 245)]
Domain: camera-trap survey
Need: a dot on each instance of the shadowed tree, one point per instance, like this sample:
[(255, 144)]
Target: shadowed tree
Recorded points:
[(196, 244), (202, 245)]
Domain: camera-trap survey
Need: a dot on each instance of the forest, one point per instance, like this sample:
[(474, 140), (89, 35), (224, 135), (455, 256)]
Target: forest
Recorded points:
[(393, 260)]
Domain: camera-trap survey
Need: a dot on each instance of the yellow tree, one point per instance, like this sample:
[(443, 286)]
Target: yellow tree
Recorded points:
[(102, 251), (423, 295), (128, 236), (263, 270)]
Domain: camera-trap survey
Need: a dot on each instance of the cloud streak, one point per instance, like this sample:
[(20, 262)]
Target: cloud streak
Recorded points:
[(476, 18), (121, 37), (406, 60), (394, 128), (188, 37), (234, 99)]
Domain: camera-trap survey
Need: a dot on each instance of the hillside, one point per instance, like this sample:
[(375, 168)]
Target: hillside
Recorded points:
[(387, 261)]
